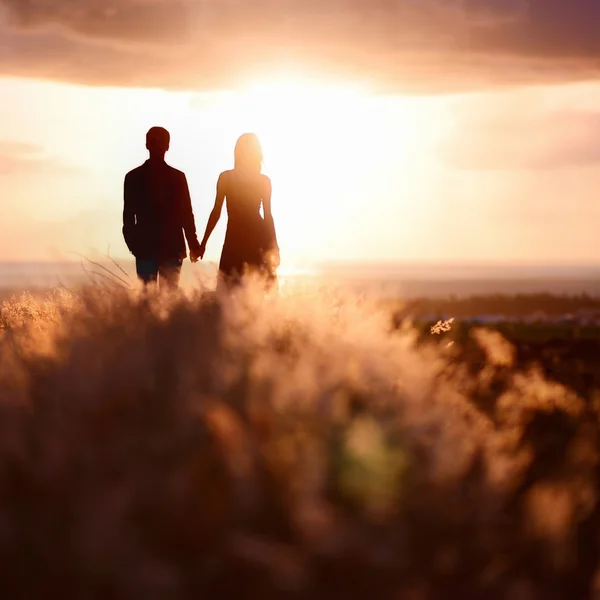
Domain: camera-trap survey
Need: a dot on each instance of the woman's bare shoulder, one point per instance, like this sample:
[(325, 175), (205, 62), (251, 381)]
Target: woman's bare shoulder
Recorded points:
[(265, 179), (224, 178)]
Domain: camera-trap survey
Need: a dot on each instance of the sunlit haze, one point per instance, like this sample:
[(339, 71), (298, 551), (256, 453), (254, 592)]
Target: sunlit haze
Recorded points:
[(406, 156)]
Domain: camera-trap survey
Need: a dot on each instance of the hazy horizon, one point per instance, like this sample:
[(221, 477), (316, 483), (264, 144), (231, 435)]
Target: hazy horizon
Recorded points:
[(398, 281)]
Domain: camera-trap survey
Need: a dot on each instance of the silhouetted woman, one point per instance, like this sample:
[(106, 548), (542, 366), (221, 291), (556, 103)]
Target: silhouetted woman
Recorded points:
[(250, 241)]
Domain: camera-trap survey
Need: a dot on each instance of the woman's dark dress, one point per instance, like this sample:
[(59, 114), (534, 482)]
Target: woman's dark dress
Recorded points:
[(247, 238)]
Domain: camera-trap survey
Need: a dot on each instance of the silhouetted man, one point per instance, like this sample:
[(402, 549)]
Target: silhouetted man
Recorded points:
[(157, 211)]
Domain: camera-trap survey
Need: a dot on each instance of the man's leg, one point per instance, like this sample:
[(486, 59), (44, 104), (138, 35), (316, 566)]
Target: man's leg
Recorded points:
[(170, 272), (147, 270)]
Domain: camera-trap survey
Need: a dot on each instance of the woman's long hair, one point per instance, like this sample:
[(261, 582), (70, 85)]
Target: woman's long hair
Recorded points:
[(248, 154)]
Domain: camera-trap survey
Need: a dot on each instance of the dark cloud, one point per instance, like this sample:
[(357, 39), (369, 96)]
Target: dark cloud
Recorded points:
[(524, 141), (22, 158), (555, 29), (131, 20), (400, 45)]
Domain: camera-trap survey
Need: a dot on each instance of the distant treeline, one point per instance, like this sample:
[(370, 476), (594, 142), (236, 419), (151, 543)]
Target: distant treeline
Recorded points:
[(518, 305)]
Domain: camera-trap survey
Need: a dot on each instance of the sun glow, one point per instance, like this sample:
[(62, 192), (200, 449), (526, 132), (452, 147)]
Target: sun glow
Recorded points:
[(344, 162), (329, 151)]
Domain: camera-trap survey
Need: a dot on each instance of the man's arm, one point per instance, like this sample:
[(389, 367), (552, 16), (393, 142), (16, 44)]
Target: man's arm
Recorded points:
[(129, 213), (188, 221)]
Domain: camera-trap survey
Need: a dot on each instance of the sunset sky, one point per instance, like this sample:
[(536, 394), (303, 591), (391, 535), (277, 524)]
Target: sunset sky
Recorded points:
[(393, 130)]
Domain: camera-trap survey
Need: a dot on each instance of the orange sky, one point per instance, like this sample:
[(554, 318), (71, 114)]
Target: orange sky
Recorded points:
[(498, 164)]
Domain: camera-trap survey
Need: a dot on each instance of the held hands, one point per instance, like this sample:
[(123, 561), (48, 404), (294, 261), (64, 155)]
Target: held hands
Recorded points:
[(197, 252)]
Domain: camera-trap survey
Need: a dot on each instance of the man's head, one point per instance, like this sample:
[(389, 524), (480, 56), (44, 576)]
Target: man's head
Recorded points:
[(157, 141)]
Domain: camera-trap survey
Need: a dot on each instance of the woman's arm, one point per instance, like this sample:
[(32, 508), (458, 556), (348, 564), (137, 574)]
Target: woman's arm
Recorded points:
[(215, 214), (273, 258), (266, 201)]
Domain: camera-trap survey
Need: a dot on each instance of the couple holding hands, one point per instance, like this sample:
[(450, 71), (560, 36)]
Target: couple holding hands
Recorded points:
[(158, 216)]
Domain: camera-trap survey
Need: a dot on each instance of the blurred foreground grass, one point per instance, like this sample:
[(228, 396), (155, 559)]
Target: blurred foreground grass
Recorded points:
[(290, 446)]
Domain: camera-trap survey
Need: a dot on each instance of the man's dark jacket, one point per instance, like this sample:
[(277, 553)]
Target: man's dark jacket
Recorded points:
[(157, 210)]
